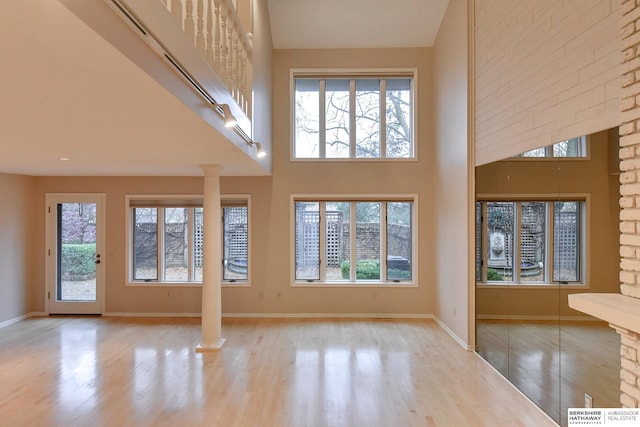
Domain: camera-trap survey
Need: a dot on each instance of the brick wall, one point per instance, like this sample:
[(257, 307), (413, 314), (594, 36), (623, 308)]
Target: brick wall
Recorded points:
[(630, 193), (546, 71)]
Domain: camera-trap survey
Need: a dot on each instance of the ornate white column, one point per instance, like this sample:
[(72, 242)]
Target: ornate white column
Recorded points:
[(211, 257)]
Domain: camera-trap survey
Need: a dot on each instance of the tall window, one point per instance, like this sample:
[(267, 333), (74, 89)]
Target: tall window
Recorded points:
[(575, 147), (343, 241), (353, 118), (166, 239), (530, 242)]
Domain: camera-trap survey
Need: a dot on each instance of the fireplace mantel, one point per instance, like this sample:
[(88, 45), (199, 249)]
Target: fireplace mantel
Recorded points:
[(620, 311)]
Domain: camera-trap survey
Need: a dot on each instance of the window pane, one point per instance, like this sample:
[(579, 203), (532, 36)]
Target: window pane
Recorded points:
[(307, 117), (367, 118), (176, 250), (566, 242), (76, 252), (307, 241), (500, 222), (368, 241), (536, 152), (235, 251), (399, 118), (532, 241), (337, 240), (399, 240), (337, 118), (145, 244), (198, 236), (570, 148)]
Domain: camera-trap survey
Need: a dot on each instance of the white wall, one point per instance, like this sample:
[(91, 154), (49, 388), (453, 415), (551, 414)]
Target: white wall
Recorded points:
[(546, 70), (452, 171)]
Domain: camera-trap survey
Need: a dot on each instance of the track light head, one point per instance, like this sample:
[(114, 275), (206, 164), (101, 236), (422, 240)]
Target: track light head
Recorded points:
[(229, 120), (261, 152)]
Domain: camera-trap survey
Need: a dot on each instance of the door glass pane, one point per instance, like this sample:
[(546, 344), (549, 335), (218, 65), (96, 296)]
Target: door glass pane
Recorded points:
[(337, 240), (533, 219), (235, 250), (145, 243), (337, 118), (176, 244), (307, 241), (367, 118), (500, 239), (76, 252), (368, 241), (399, 240), (399, 118), (307, 118)]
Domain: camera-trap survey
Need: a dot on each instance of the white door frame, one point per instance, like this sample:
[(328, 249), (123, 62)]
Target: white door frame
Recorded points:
[(73, 307)]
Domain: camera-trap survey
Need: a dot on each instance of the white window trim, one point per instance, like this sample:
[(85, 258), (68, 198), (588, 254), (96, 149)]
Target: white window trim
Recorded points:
[(413, 283), (241, 283), (587, 145), (164, 284), (354, 73), (585, 237)]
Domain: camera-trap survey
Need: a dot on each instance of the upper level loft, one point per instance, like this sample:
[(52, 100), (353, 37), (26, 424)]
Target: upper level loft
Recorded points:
[(208, 44), (204, 54)]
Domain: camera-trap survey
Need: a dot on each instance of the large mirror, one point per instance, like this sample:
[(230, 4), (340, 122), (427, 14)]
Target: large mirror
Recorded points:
[(547, 226)]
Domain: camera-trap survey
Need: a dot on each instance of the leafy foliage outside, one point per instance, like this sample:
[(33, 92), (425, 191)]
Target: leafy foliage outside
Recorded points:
[(369, 269), (493, 275), (78, 259)]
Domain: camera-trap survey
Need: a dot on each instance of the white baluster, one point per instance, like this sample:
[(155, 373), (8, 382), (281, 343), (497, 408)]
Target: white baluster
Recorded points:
[(234, 74), (243, 80), (189, 27), (176, 12), (217, 49), (230, 55), (223, 44), (200, 26), (208, 54)]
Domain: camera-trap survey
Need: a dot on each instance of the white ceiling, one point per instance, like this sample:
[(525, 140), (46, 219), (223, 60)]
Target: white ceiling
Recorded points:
[(322, 24), (66, 92)]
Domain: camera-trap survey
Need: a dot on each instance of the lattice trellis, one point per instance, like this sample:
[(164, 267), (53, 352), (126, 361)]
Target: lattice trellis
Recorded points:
[(235, 233), (566, 244)]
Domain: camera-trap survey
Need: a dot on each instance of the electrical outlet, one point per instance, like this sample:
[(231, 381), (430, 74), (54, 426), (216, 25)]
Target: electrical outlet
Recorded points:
[(588, 401), (261, 295)]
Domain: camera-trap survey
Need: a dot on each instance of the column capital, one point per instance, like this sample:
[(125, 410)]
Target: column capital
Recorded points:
[(211, 170)]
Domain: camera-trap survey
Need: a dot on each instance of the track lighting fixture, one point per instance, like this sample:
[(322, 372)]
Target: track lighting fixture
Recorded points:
[(229, 120), (261, 152)]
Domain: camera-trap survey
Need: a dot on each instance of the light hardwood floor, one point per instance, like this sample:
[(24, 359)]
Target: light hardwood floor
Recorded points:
[(92, 371)]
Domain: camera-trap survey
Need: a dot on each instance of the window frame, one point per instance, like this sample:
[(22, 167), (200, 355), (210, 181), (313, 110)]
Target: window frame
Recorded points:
[(190, 201), (549, 283), (549, 152), (381, 73), (412, 283)]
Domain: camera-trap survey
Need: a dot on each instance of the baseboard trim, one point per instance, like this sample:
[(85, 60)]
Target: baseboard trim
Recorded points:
[(129, 314), (330, 315), (453, 335), (537, 318), (21, 318)]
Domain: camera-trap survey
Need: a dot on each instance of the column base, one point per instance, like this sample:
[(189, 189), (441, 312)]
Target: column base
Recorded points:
[(211, 347)]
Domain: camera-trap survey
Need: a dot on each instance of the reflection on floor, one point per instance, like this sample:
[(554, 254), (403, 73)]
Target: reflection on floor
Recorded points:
[(555, 365), (68, 371)]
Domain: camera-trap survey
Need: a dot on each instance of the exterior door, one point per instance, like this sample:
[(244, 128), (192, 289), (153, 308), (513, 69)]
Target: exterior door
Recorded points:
[(75, 253)]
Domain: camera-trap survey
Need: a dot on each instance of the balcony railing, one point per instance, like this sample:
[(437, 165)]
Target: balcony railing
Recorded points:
[(215, 29)]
